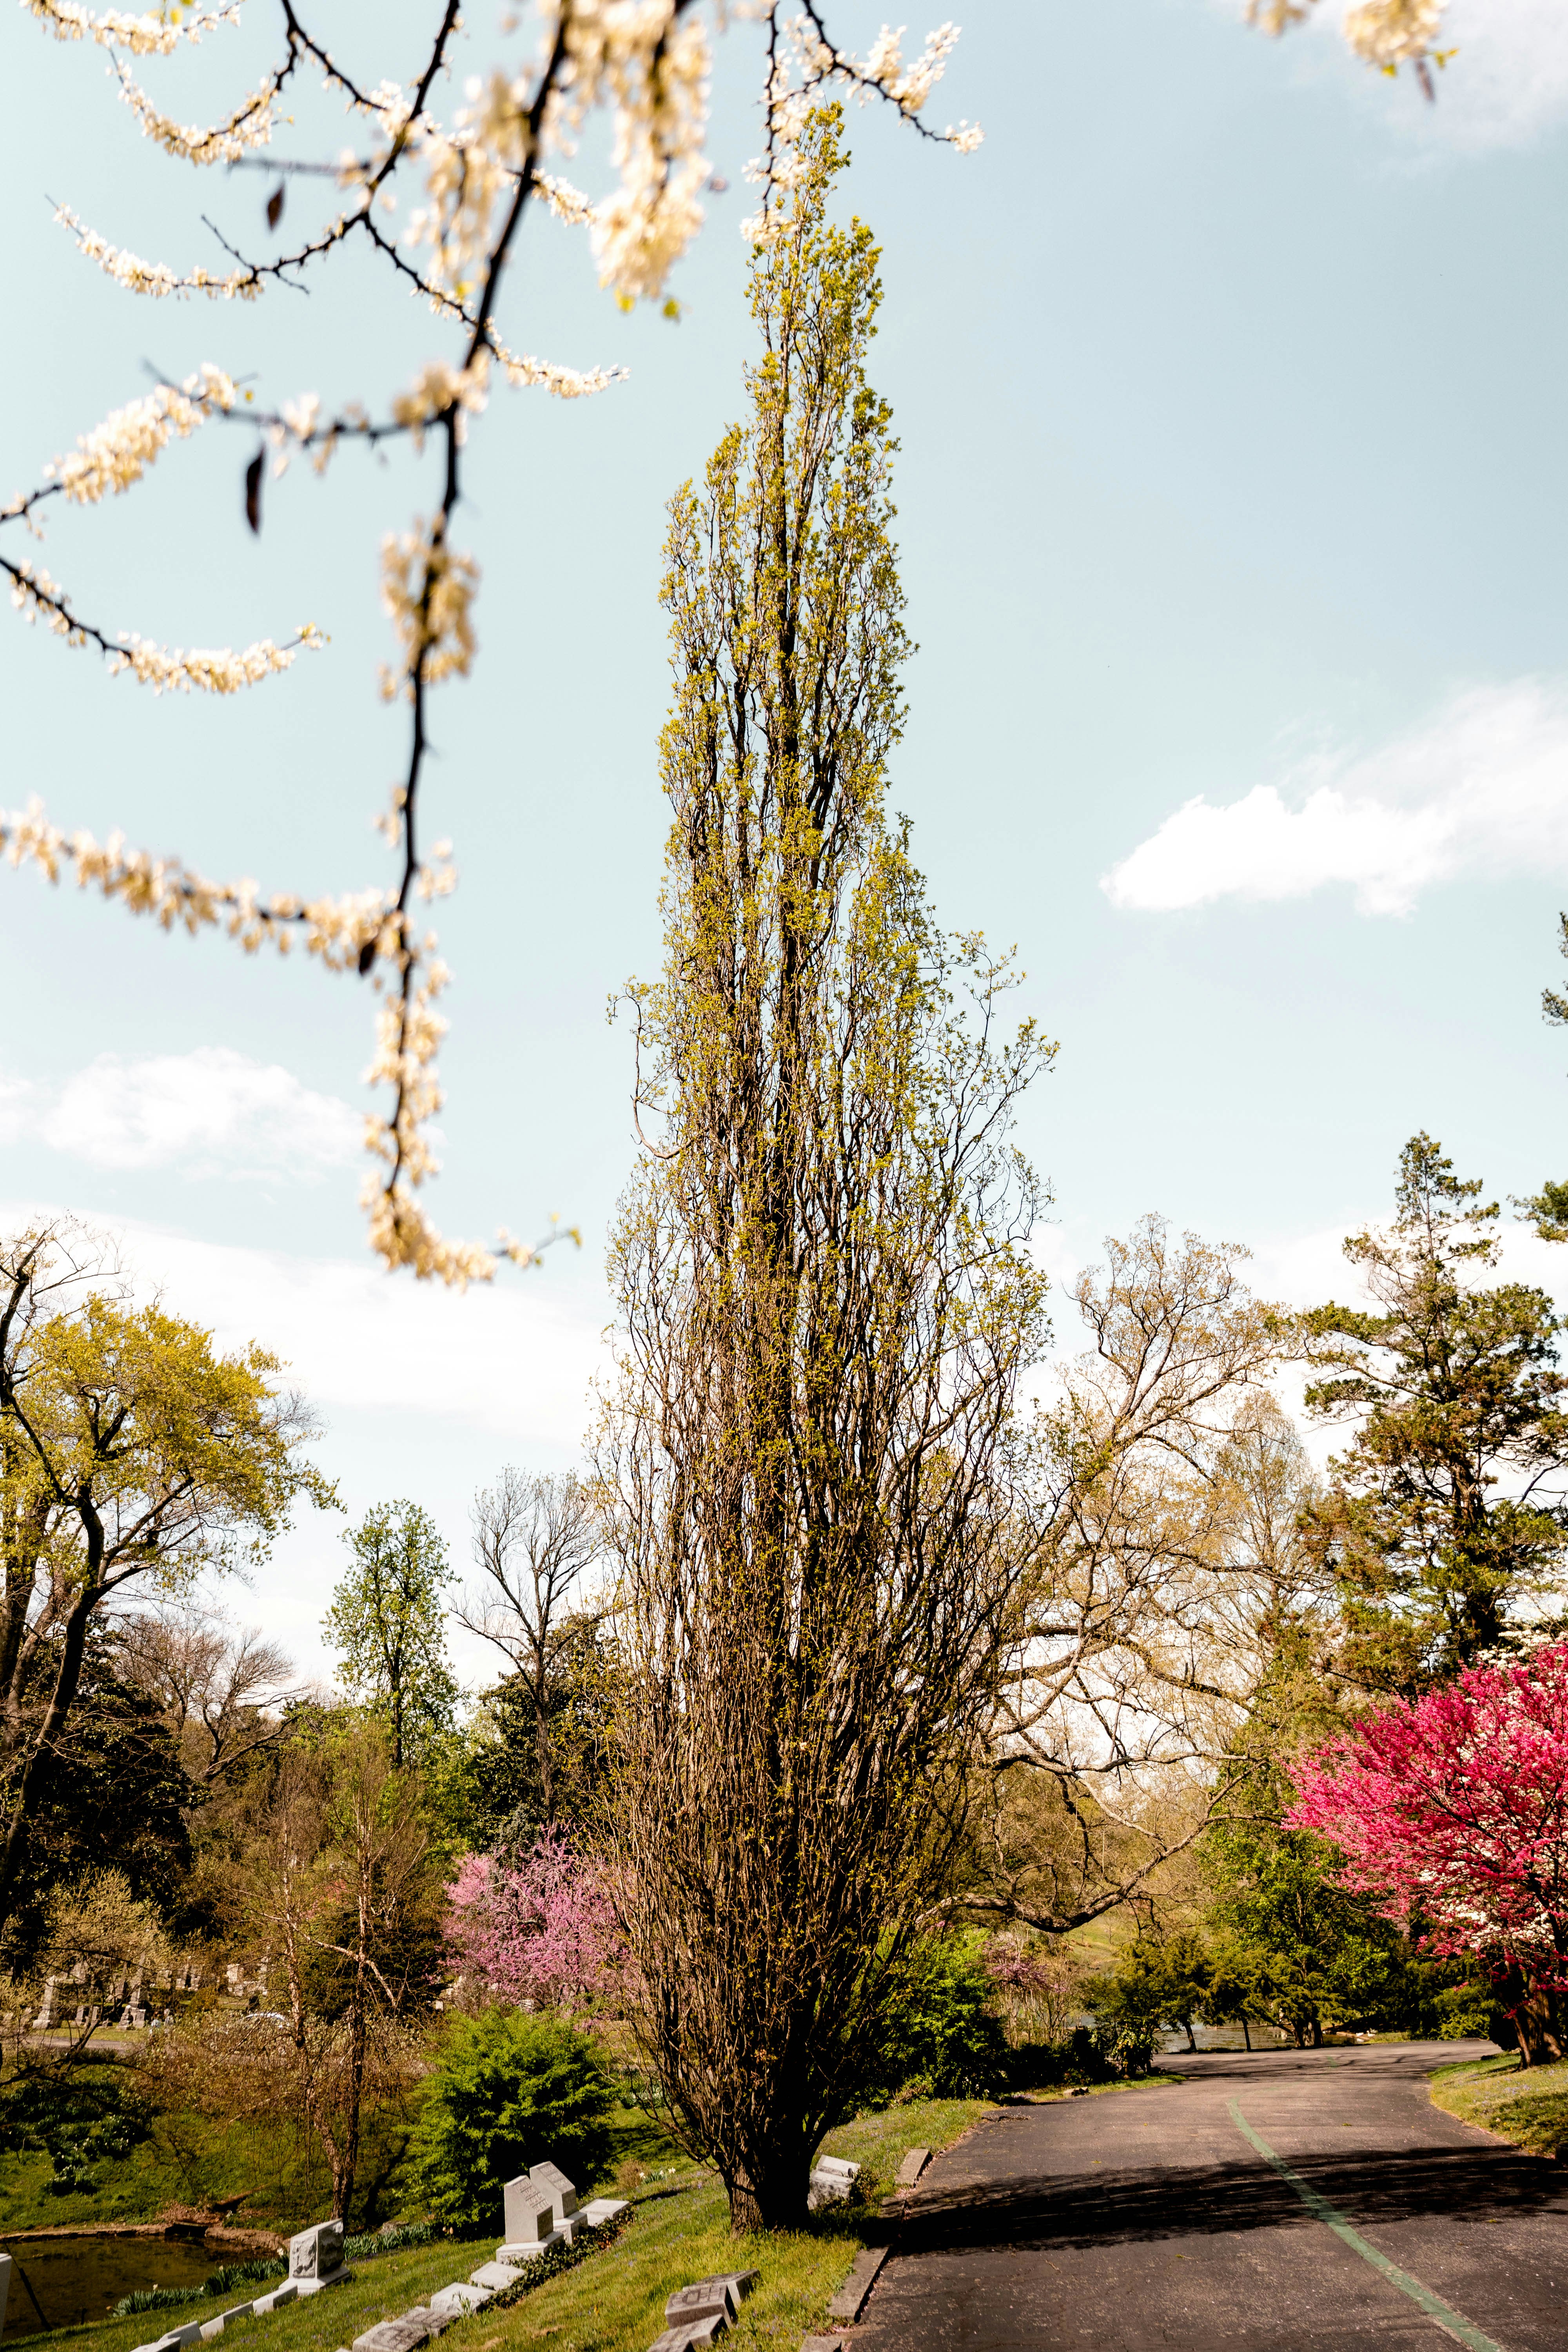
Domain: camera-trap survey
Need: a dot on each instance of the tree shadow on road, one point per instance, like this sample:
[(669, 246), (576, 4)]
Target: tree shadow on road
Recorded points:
[(1108, 2207)]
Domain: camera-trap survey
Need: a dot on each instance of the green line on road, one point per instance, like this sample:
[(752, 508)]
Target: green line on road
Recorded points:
[(1432, 2304)]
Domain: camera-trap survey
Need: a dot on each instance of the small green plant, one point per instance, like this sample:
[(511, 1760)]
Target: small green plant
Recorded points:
[(78, 2122), (509, 2090), (944, 2040)]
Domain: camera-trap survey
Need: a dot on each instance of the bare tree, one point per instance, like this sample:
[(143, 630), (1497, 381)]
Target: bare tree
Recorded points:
[(534, 1538), (220, 1686), (1167, 1489), (342, 1868)]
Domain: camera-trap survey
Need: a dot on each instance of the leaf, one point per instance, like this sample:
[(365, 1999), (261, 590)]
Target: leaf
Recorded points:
[(275, 205), (253, 473)]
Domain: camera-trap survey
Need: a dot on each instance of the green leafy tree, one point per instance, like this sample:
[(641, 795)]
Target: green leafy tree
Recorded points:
[(1443, 1526), (388, 1618), (131, 1454), (509, 2090)]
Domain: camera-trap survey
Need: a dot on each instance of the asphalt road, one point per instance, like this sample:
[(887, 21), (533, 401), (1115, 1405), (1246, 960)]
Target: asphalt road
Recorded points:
[(1149, 2218)]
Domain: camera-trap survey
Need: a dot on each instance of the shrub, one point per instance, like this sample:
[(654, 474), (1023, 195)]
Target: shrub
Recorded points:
[(507, 2091), (945, 2035)]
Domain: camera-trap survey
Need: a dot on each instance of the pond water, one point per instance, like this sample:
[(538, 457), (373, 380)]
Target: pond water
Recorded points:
[(60, 2282)]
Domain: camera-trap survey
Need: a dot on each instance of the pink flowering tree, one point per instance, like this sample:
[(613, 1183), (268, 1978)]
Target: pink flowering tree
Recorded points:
[(1453, 1811), (538, 1931)]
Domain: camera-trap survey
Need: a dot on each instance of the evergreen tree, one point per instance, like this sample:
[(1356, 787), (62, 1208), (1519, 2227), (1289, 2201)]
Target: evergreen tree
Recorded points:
[(1443, 1526)]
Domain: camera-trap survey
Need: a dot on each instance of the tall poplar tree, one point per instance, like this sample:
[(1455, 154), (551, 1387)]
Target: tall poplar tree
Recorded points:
[(825, 1299)]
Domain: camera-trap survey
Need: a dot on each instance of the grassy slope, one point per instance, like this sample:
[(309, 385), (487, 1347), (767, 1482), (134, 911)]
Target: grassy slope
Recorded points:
[(188, 2160), (1526, 2104), (614, 2301)]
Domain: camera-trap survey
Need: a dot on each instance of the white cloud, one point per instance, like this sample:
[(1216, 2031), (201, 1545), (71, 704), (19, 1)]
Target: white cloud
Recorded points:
[(207, 1113), (1482, 792), (1506, 86)]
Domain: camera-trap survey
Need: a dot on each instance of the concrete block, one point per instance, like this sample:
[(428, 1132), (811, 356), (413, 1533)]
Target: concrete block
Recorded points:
[(530, 2249), (686, 2339), (708, 2298), (404, 2335), (461, 2296), (601, 2209), (280, 2296), (913, 2165), (495, 2274), (850, 2299)]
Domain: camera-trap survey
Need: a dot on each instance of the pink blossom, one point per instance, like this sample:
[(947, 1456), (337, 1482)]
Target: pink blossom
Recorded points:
[(1455, 1808), (540, 1930)]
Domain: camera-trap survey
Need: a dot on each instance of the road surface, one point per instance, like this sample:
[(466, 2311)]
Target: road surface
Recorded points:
[(1287, 2202)]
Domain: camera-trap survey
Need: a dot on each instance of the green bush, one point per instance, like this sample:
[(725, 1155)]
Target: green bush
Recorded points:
[(943, 2034), (509, 2090)]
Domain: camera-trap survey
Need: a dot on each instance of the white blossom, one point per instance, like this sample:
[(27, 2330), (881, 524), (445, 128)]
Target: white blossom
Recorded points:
[(113, 28), (155, 277), (118, 452)]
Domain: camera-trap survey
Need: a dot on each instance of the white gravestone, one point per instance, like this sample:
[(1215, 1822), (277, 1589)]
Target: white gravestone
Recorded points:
[(316, 2256), (530, 2220)]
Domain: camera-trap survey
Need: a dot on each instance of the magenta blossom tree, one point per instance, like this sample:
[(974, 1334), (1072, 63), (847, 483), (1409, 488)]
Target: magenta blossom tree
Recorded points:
[(538, 1931), (1453, 1811)]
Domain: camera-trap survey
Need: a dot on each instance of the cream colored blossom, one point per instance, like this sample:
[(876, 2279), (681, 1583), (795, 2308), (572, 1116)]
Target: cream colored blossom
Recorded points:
[(118, 452), (427, 590), (218, 671), (155, 277), (439, 387), (1385, 33), (113, 28), (249, 126), (1390, 33)]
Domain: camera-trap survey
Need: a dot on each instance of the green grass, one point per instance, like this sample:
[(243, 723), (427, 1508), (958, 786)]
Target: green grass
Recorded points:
[(613, 2302), (190, 2161), (1526, 2104)]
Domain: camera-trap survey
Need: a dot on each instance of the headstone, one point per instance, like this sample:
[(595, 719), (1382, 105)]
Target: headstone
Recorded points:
[(913, 2165), (551, 2178), (317, 2252), (529, 2211), (189, 2331), (432, 2320), (709, 2298), (832, 2180), (459, 2297), (404, 2335), (685, 2339), (495, 2274)]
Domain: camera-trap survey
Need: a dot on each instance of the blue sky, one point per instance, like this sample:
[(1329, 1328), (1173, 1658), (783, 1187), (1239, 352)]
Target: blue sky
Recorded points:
[(1229, 377)]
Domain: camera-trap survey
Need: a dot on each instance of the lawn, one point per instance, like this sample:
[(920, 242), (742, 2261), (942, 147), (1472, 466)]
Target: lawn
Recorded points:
[(1526, 2104), (613, 2301)]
